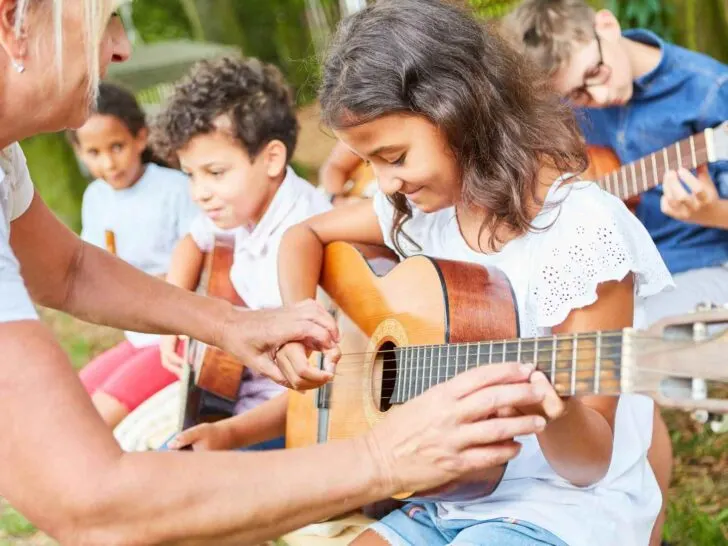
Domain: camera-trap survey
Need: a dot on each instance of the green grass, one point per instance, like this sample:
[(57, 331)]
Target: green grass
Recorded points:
[(697, 514)]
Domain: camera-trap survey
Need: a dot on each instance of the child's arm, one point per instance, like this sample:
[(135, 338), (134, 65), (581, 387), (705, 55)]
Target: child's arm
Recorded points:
[(184, 271), (578, 445), (300, 258), (260, 424), (337, 170)]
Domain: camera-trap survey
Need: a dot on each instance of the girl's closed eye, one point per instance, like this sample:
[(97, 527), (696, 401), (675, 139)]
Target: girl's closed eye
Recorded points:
[(400, 160)]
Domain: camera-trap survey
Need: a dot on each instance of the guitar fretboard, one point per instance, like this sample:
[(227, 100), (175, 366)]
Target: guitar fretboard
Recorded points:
[(644, 174), (574, 363)]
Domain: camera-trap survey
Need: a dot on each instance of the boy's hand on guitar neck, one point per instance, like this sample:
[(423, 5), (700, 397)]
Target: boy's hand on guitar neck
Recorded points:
[(453, 429), (692, 206), (255, 336)]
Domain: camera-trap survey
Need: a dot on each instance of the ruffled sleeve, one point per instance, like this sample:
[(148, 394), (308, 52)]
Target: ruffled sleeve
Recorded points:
[(590, 238)]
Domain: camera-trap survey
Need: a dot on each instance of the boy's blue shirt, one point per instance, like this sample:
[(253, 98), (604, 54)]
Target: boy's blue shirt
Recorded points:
[(686, 93)]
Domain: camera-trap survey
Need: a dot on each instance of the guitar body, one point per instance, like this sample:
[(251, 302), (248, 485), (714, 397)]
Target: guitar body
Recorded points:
[(602, 161), (211, 377), (379, 307)]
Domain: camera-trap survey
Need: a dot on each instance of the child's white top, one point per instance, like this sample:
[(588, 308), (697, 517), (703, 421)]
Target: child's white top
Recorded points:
[(16, 193), (254, 273), (147, 219), (592, 239)]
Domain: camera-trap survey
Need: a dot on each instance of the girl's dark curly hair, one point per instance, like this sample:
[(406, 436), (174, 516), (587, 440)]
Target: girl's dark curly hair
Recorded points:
[(432, 59), (252, 94), (116, 101)]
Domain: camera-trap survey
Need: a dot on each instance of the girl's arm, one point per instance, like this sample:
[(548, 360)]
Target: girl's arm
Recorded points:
[(260, 424), (578, 445), (300, 258)]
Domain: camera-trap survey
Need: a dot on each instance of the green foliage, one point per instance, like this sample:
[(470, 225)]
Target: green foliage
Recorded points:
[(651, 14), (493, 8), (158, 20), (14, 524), (56, 175)]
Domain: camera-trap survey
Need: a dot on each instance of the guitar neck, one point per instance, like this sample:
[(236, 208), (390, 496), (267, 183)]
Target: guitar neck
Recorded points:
[(576, 364), (648, 172)]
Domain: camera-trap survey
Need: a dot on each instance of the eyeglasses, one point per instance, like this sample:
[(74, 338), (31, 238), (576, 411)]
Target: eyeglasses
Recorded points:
[(598, 75)]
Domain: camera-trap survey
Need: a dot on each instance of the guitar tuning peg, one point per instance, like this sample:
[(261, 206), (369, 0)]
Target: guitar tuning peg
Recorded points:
[(706, 306)]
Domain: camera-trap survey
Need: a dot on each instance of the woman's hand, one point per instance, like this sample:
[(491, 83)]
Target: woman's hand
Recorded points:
[(171, 361), (453, 429), (255, 337)]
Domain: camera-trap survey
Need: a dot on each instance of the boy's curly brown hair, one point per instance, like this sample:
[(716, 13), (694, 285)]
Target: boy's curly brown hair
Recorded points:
[(253, 95)]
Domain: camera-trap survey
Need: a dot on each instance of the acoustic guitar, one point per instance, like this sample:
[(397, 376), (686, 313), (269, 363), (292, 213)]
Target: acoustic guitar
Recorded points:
[(412, 325), (630, 180), (210, 377)]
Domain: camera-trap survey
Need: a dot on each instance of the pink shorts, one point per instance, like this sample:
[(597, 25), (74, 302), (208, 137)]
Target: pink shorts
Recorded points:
[(127, 373)]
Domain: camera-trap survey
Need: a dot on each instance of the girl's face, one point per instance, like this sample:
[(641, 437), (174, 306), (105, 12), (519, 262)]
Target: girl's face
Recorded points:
[(232, 190), (409, 155), (110, 151)]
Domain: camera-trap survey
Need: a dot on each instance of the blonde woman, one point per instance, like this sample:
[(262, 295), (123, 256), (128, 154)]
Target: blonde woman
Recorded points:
[(60, 464)]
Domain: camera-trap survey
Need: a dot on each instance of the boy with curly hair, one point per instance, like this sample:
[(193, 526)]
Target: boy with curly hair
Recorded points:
[(231, 127)]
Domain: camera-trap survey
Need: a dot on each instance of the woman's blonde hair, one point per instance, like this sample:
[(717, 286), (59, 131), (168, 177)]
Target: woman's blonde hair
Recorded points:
[(95, 19)]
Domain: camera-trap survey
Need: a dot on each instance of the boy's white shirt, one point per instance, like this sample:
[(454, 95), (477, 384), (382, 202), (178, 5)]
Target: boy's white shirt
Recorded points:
[(589, 238), (254, 273)]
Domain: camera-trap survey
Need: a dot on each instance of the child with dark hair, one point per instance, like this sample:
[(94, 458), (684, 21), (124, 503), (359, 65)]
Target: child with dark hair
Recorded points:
[(478, 160), (232, 128), (137, 210)]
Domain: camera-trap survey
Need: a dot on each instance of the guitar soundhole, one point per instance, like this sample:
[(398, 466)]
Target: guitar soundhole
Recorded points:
[(385, 374)]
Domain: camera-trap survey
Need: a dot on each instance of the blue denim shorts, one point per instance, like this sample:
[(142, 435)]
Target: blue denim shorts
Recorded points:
[(417, 524)]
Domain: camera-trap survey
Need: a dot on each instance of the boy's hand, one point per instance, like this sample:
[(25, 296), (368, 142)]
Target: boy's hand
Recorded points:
[(204, 437), (688, 206), (292, 360), (170, 359)]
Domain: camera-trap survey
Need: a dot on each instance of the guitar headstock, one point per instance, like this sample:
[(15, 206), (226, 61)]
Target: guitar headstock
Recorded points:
[(689, 346), (717, 142)]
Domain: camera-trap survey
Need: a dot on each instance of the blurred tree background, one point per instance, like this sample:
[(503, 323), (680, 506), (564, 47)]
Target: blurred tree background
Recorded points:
[(293, 33)]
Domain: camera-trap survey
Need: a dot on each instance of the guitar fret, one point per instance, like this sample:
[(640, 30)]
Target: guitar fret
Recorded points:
[(623, 172), (518, 351), (439, 365), (573, 364), (490, 352), (553, 360), (665, 159), (679, 155), (598, 363), (505, 349), (644, 174), (634, 178), (447, 364), (535, 352), (430, 367), (477, 356), (467, 356), (692, 151), (654, 169)]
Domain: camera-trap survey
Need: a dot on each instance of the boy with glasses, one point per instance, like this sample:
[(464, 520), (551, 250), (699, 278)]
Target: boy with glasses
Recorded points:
[(637, 94)]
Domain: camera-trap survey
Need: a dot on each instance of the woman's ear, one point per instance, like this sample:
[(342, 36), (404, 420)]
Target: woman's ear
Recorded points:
[(607, 25), (275, 155), (13, 43)]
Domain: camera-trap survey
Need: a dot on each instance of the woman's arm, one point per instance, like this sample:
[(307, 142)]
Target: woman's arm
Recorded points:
[(64, 451), (64, 273), (578, 445)]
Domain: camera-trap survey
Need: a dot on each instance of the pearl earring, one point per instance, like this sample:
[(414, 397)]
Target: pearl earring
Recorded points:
[(18, 66)]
